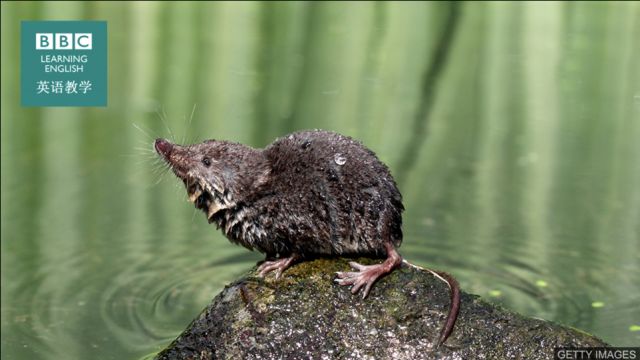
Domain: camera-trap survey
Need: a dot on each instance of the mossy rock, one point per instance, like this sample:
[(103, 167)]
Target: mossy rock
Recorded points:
[(305, 315)]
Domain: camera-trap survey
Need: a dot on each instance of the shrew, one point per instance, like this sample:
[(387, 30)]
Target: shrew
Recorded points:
[(308, 194)]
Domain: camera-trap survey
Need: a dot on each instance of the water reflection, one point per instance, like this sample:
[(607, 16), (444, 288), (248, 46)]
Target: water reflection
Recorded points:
[(523, 184)]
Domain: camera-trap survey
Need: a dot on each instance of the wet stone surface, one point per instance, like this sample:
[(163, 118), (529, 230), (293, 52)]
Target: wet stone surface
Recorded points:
[(305, 315)]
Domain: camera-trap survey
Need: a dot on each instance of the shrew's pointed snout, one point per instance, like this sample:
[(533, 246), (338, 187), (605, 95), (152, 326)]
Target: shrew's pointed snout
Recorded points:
[(163, 147)]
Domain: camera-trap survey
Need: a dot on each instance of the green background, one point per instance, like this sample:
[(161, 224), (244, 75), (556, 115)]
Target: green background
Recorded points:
[(512, 128)]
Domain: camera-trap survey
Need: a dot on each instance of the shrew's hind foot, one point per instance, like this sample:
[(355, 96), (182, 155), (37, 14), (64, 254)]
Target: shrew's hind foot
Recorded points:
[(279, 265), (367, 275)]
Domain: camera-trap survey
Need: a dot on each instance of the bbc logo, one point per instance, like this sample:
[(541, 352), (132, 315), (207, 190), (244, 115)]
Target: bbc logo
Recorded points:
[(64, 41)]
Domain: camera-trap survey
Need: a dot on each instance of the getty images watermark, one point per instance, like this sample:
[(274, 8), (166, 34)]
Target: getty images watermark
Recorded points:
[(599, 353)]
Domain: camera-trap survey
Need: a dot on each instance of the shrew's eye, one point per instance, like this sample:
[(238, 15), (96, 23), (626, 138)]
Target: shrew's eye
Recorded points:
[(206, 161)]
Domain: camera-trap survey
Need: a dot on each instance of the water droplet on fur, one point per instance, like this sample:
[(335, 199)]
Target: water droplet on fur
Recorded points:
[(339, 159)]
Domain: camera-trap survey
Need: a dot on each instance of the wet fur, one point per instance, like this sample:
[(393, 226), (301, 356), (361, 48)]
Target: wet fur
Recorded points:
[(294, 197), (311, 193)]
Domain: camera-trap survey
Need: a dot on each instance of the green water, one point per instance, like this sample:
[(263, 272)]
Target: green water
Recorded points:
[(513, 130)]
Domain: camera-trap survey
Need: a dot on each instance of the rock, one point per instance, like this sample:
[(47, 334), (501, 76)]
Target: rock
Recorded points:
[(306, 315)]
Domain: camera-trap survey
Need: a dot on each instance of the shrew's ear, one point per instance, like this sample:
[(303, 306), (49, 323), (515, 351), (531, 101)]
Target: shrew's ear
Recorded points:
[(262, 177)]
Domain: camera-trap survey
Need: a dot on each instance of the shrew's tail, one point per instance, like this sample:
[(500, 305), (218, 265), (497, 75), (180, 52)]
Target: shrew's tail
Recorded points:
[(454, 308), (455, 305)]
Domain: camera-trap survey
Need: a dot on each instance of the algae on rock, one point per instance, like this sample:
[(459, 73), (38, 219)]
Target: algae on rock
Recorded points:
[(305, 315)]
